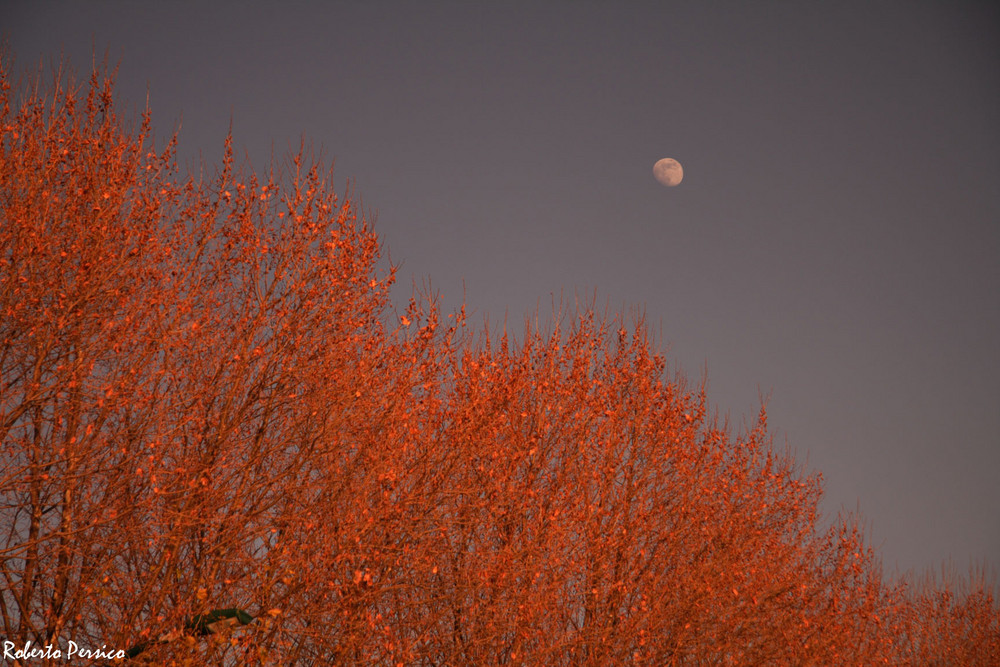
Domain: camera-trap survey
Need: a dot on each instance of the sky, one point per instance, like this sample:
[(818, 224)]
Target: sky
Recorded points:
[(834, 245)]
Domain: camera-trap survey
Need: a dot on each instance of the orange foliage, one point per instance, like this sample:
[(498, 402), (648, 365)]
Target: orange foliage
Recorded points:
[(203, 404)]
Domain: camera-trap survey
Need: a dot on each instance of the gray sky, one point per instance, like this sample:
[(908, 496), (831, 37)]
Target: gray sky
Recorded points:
[(834, 243)]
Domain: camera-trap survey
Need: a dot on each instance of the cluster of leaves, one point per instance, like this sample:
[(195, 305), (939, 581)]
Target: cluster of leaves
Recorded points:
[(205, 403)]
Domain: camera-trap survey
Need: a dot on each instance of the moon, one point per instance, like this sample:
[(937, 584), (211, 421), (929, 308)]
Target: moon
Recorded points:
[(668, 171)]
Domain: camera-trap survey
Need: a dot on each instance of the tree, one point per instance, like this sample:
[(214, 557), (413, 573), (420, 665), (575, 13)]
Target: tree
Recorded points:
[(951, 621), (173, 354), (207, 405)]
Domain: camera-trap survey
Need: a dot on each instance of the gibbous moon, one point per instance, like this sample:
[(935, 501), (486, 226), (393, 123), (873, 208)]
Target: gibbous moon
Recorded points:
[(668, 171)]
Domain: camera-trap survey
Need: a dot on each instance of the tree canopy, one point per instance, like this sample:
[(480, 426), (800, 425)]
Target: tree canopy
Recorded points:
[(208, 403)]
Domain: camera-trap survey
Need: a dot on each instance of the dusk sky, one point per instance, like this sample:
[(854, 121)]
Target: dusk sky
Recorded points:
[(834, 245)]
